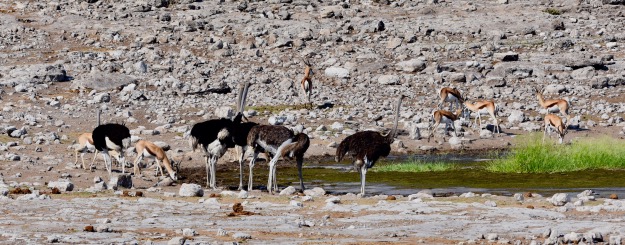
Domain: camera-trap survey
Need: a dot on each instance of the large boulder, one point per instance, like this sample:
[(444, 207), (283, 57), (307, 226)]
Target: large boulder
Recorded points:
[(413, 65), (559, 199), (337, 72), (516, 116), (103, 81), (388, 80)]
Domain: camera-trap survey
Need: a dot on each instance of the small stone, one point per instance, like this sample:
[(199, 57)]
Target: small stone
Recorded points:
[(62, 185), (490, 203), (335, 200), (243, 194), (241, 236), (121, 180), (189, 232), (613, 196), (177, 241), (296, 204), (221, 232), (190, 190)]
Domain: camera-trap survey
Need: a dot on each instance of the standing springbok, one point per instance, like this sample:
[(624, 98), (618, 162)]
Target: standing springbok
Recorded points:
[(85, 144), (552, 120), (278, 141), (307, 81), (150, 150), (561, 104), (111, 137), (367, 147), (484, 107), (451, 95), (449, 118), (215, 137)]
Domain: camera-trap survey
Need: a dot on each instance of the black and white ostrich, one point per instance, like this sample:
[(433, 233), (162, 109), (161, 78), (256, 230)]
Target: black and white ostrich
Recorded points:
[(111, 137), (278, 141), (367, 147), (216, 137)]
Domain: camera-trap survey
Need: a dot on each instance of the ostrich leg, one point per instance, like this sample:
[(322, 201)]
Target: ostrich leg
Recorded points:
[(300, 162), (252, 162), (363, 177)]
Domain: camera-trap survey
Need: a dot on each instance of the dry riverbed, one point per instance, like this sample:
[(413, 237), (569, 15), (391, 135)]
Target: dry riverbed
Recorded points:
[(161, 216)]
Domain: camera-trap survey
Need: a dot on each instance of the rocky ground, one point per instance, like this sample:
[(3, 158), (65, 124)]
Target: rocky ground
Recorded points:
[(159, 66)]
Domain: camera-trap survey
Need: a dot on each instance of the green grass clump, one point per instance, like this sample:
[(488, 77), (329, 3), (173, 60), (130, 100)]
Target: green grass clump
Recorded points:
[(532, 156), (414, 166), (552, 11)]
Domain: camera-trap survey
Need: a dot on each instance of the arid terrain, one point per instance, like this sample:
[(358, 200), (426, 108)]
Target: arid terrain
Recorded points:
[(160, 66)]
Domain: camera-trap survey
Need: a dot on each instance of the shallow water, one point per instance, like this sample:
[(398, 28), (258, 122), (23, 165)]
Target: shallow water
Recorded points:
[(340, 178)]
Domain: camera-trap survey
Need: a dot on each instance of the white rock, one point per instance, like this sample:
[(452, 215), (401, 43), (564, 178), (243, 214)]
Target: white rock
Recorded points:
[(177, 241), (288, 191), (241, 236), (335, 200), (62, 185), (315, 192), (189, 232), (559, 199), (413, 65), (336, 72), (295, 203), (516, 116), (389, 80), (190, 190), (243, 194), (337, 126)]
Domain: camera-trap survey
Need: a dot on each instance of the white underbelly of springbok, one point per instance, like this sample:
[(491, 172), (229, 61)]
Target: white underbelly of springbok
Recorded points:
[(147, 154), (451, 98)]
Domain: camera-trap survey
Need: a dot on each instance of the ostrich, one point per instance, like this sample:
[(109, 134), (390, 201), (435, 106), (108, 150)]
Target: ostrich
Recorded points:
[(150, 150), (111, 137), (451, 95), (367, 147), (215, 137), (85, 144), (278, 141)]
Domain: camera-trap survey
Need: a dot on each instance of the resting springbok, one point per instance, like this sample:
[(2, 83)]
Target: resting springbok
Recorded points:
[(561, 104), (484, 107), (448, 117), (85, 144), (552, 120), (150, 150), (451, 95)]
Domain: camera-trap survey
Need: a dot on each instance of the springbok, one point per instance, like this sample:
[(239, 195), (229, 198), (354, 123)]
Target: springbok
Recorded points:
[(484, 107), (150, 150), (451, 95), (554, 121), (449, 118)]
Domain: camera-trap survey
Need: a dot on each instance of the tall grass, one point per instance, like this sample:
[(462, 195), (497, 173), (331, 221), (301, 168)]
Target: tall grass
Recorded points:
[(414, 166), (532, 156)]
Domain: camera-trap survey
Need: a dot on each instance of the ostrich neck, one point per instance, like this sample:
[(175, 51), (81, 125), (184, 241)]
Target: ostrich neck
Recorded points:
[(393, 132)]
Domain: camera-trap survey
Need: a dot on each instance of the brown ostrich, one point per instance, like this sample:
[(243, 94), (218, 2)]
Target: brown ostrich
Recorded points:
[(367, 147)]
